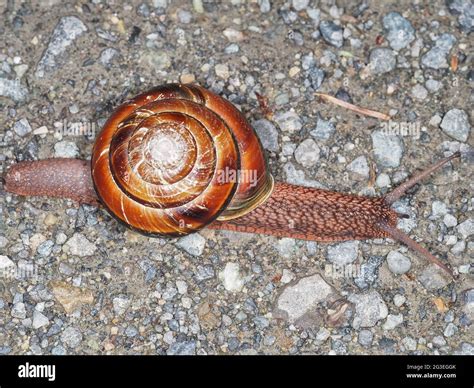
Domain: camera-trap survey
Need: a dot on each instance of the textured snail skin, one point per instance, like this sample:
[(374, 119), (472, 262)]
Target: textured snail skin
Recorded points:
[(61, 178), (313, 214)]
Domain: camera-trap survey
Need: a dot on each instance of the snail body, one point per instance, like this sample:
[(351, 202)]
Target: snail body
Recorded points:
[(168, 162)]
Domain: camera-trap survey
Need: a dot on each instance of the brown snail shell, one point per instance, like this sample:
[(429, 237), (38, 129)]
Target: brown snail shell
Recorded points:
[(168, 161)]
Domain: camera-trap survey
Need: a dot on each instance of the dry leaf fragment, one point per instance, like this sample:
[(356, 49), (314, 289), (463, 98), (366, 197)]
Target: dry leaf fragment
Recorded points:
[(70, 297)]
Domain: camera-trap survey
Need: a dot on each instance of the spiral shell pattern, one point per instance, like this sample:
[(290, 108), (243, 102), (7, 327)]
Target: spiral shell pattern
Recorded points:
[(157, 164)]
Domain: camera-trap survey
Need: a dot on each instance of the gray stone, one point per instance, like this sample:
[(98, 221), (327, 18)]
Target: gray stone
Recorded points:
[(286, 247), (169, 293), (297, 177), (369, 309), (383, 180), (45, 248), (456, 124), (131, 331), (58, 351), (19, 310), (307, 153), (398, 263), (359, 166), (316, 76), (232, 48), (436, 58), (71, 336), (22, 127), (282, 99), (233, 35), (382, 60), (233, 344), (288, 121), (107, 55), (186, 348), (388, 149), (433, 278), (409, 343), (7, 267), (468, 301), (231, 278), (458, 247), (338, 346), (158, 60), (65, 33), (438, 341), (39, 320), (438, 209), (399, 31), (79, 245), (365, 337), (433, 85), (163, 4), (299, 301), (222, 71), (267, 133), (287, 276), (402, 207), (419, 92), (466, 349), (265, 6), (66, 149), (192, 243), (13, 89), (5, 350), (308, 61), (343, 253), (368, 272), (450, 330), (184, 16), (299, 5), (261, 322), (314, 14), (324, 129), (465, 11), (399, 300), (392, 321), (3, 241), (120, 305), (450, 221), (331, 33), (204, 272), (322, 335), (181, 286), (466, 228)]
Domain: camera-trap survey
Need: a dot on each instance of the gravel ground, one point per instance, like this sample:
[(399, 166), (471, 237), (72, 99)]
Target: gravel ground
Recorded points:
[(76, 282)]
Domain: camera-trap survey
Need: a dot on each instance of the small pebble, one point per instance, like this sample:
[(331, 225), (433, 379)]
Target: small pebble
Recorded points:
[(456, 124), (22, 127)]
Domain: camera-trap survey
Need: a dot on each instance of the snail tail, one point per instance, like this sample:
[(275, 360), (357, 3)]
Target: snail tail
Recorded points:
[(62, 178)]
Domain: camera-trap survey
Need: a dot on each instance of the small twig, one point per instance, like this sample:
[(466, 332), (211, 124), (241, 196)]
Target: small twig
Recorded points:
[(362, 111)]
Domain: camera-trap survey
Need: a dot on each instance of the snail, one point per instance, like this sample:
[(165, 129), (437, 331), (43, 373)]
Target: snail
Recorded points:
[(179, 158)]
